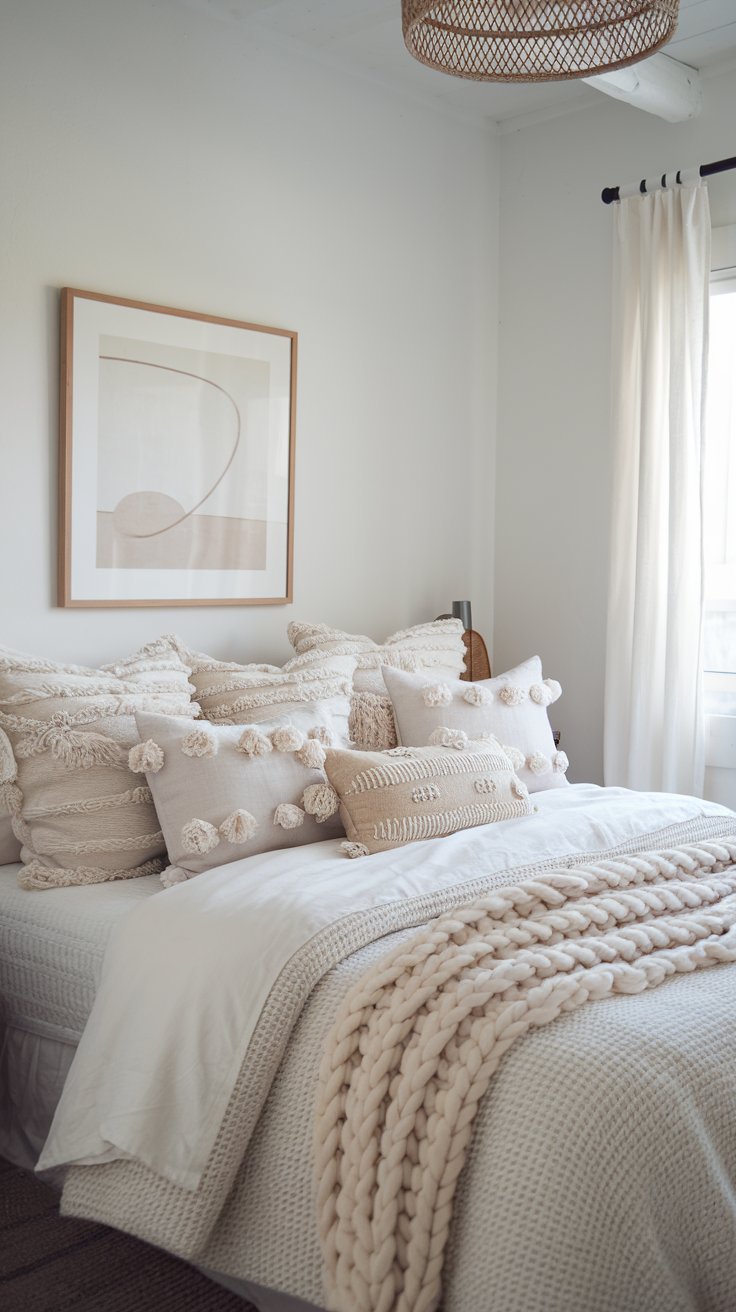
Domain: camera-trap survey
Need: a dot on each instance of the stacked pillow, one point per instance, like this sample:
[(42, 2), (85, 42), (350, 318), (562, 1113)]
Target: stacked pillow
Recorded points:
[(80, 814), (436, 647), (511, 708), (249, 775)]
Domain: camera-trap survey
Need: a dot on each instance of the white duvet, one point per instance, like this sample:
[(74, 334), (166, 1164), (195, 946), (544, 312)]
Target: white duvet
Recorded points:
[(187, 973)]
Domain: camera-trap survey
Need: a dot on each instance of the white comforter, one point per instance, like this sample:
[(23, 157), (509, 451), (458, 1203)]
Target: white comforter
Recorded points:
[(186, 975)]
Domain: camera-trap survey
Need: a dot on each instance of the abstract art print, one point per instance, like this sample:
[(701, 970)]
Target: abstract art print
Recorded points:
[(176, 456)]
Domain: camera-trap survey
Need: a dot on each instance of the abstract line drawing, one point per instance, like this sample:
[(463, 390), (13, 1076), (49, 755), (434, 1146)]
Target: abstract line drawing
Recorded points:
[(177, 456), (151, 533)]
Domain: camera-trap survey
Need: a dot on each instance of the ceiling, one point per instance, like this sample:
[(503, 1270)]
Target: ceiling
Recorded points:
[(365, 36)]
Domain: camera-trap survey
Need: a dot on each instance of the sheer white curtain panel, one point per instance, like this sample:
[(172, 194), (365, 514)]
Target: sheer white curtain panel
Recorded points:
[(654, 732)]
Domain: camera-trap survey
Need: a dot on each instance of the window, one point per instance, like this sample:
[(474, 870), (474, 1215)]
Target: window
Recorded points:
[(720, 500)]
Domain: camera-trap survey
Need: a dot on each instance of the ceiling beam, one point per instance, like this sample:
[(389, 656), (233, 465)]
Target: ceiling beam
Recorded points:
[(658, 85)]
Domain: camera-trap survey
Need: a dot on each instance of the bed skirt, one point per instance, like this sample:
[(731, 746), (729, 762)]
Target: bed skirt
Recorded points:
[(33, 1068)]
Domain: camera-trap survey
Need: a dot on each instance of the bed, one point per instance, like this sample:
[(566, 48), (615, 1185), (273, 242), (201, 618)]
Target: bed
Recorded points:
[(602, 1167)]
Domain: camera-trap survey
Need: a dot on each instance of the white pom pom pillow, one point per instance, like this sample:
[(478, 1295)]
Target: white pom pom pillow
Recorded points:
[(511, 707), (223, 792)]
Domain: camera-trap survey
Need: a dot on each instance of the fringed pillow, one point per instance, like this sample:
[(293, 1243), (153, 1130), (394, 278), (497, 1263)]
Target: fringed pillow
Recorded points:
[(511, 707), (65, 732), (223, 792), (413, 793), (229, 693), (436, 646)]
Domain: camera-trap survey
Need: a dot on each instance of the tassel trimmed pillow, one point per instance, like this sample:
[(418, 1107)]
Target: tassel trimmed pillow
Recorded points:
[(223, 792), (229, 693), (511, 707), (80, 813), (413, 793)]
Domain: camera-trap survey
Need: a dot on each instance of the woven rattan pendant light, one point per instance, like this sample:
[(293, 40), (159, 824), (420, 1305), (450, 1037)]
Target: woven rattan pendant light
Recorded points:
[(535, 40)]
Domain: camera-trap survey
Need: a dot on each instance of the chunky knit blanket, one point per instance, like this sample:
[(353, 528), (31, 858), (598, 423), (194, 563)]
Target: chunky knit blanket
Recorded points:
[(417, 1041)]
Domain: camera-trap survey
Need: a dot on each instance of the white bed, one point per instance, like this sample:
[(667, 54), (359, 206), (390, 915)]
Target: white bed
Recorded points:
[(594, 1072)]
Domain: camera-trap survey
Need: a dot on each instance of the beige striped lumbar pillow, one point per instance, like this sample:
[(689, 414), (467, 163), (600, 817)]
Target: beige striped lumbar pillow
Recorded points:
[(412, 793), (65, 732)]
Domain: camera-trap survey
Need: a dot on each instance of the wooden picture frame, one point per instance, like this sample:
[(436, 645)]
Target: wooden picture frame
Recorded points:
[(176, 457)]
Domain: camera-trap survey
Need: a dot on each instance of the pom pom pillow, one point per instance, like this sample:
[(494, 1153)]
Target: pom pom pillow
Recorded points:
[(511, 707), (229, 693), (65, 734), (436, 647), (412, 793), (223, 792)]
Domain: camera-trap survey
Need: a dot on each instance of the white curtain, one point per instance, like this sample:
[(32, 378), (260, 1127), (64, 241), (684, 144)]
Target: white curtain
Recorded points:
[(654, 733)]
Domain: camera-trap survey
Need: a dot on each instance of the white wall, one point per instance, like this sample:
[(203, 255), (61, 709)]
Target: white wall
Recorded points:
[(554, 453), (150, 152)]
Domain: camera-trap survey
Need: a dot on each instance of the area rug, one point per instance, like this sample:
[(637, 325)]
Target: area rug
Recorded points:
[(50, 1263)]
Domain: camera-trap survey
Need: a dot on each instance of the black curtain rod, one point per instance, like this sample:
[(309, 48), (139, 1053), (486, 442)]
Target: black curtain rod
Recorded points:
[(610, 194)]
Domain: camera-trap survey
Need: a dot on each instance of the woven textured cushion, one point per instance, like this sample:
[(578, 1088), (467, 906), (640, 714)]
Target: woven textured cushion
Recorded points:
[(437, 646), (65, 733), (511, 707), (229, 693), (223, 792), (411, 793)]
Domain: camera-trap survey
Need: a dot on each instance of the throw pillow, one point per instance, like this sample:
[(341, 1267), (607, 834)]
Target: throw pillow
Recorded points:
[(512, 707), (229, 693), (80, 814), (223, 792), (436, 646), (411, 793)]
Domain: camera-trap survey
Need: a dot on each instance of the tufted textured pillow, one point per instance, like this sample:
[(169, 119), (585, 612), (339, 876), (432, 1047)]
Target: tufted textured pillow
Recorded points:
[(412, 793), (512, 707), (223, 792), (436, 646), (229, 693), (65, 734)]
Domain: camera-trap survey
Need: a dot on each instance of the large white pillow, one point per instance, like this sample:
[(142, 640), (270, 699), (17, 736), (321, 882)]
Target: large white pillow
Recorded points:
[(511, 707)]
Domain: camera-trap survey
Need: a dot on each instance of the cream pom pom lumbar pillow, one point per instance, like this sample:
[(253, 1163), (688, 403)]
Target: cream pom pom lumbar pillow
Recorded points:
[(436, 647), (223, 792), (65, 733), (414, 793), (512, 707)]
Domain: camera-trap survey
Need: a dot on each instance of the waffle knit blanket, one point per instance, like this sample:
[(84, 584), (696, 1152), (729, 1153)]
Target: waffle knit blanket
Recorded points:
[(418, 1039)]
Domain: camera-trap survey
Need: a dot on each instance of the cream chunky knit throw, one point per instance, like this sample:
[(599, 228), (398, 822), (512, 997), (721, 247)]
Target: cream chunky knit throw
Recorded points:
[(418, 1039)]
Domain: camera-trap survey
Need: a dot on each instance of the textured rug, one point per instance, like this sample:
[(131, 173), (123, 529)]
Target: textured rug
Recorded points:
[(50, 1263)]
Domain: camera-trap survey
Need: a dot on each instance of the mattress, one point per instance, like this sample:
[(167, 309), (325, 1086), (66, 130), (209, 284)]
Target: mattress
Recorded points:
[(51, 949)]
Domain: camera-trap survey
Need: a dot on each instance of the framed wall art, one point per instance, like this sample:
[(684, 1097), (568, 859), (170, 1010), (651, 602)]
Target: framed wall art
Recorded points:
[(176, 457)]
